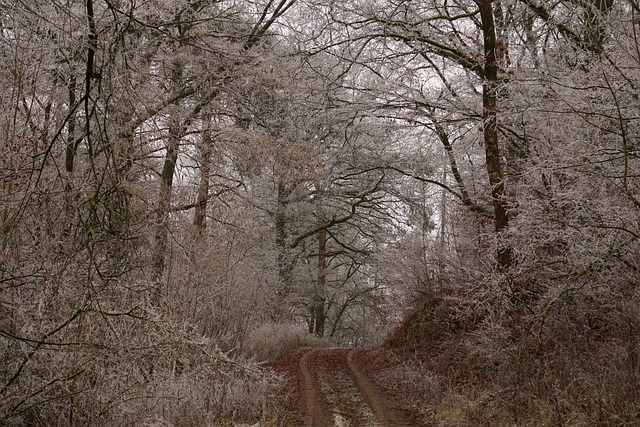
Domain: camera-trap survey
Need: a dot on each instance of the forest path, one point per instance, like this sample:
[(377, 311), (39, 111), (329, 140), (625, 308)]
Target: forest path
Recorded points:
[(335, 390)]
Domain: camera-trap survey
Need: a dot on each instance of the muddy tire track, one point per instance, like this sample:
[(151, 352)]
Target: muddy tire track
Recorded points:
[(318, 414), (386, 412), (338, 392)]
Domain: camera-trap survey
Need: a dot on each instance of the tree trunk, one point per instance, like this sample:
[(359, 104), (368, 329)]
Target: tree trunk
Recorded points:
[(164, 204), (161, 238), (70, 152), (284, 263), (489, 117), (200, 217), (318, 309)]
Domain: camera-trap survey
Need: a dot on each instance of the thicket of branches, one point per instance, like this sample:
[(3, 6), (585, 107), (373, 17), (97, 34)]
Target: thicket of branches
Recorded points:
[(184, 183), (529, 281)]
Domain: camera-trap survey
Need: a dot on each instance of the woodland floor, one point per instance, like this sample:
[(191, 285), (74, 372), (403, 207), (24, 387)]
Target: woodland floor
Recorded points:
[(344, 387)]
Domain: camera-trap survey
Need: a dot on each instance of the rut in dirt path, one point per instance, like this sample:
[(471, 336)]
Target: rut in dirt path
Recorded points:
[(337, 392), (318, 414)]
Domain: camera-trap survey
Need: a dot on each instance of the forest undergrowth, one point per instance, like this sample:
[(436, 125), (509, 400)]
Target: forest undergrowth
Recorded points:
[(470, 365)]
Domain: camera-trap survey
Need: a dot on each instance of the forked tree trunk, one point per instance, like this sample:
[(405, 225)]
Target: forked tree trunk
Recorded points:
[(164, 203)]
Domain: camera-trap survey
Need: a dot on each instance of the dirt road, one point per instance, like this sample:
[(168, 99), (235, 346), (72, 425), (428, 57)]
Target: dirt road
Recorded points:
[(335, 390)]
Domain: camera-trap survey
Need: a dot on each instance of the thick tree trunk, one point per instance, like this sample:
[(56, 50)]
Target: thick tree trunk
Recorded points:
[(489, 117)]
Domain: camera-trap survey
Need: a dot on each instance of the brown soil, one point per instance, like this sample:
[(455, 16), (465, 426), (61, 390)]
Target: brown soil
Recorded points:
[(335, 387)]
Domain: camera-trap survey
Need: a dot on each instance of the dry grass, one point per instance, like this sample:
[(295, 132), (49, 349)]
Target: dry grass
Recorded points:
[(270, 341), (150, 371)]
